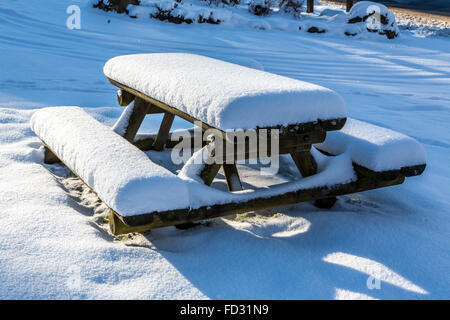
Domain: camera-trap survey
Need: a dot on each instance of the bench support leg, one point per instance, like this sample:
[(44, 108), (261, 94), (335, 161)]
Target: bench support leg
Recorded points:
[(209, 172), (137, 116), (305, 162), (163, 133), (232, 176), (50, 157), (307, 166), (124, 98)]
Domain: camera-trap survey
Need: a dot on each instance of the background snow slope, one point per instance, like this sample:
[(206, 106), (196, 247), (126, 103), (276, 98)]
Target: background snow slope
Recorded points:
[(52, 247)]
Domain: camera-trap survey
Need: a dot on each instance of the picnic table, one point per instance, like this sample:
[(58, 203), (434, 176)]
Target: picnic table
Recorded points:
[(334, 154)]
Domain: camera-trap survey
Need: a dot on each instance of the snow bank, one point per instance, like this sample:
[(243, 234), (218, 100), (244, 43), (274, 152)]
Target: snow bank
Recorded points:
[(222, 94), (122, 175), (373, 147)]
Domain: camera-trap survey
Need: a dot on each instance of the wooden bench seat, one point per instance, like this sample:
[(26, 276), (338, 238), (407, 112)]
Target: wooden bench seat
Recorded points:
[(375, 148), (121, 174)]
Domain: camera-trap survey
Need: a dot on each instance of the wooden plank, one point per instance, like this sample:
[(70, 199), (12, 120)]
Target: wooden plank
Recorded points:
[(287, 143), (164, 130), (145, 144), (327, 125), (49, 156), (143, 222), (152, 109), (209, 172), (408, 171), (307, 166), (175, 217), (305, 162), (161, 105), (124, 98), (232, 177), (137, 116), (117, 227)]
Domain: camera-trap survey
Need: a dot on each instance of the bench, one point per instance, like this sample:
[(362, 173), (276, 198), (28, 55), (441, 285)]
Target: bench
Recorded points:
[(335, 155), (120, 174)]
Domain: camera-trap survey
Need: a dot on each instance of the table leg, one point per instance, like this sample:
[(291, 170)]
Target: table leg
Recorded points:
[(307, 166)]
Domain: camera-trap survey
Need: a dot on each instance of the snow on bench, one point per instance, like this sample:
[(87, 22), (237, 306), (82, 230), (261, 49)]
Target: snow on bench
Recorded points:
[(222, 94), (122, 175), (378, 149)]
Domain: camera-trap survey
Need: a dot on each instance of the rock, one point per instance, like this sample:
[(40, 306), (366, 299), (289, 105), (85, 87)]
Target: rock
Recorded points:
[(316, 30)]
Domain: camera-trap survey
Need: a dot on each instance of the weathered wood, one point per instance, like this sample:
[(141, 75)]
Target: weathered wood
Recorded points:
[(305, 162), (117, 227), (349, 5), (209, 172), (146, 144), (163, 133), (232, 177), (49, 156), (175, 217), (160, 104), (310, 6), (152, 109), (137, 116), (124, 98), (287, 143), (409, 171), (144, 222), (307, 127), (307, 166)]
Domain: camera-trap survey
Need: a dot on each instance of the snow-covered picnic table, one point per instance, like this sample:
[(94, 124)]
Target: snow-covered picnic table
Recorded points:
[(224, 95), (143, 195)]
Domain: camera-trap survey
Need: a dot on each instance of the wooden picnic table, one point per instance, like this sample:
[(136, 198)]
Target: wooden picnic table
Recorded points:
[(295, 139)]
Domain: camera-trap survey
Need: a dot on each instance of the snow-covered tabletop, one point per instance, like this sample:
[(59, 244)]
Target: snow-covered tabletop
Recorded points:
[(222, 94)]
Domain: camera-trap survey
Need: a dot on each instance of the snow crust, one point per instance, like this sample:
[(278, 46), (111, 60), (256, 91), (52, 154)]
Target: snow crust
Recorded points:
[(222, 94), (122, 175), (374, 147)]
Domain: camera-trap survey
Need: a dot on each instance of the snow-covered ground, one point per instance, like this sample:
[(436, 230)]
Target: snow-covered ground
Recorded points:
[(53, 245)]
